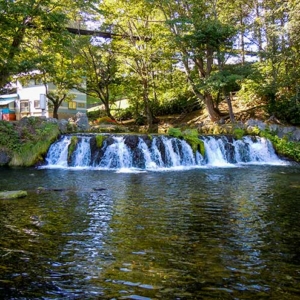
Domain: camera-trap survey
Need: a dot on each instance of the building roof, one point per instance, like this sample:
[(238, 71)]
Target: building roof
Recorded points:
[(8, 98)]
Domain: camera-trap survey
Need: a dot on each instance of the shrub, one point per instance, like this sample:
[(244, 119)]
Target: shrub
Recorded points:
[(95, 114), (125, 114), (176, 132), (287, 110), (238, 133)]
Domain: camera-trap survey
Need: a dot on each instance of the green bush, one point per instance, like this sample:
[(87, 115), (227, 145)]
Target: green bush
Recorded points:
[(125, 114), (286, 110), (176, 132), (283, 146), (72, 146), (183, 103), (9, 137), (95, 114), (238, 133)]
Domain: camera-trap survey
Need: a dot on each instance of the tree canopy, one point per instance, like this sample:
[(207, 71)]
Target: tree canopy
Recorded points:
[(156, 53)]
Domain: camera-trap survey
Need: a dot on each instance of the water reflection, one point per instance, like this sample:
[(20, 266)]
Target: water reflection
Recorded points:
[(198, 234)]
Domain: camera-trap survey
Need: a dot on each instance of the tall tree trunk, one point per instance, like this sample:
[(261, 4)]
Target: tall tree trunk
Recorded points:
[(229, 104), (213, 114), (242, 36), (55, 111), (206, 98), (148, 110), (258, 30), (107, 110)]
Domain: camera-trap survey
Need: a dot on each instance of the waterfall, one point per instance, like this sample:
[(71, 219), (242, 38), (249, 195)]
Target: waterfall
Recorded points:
[(58, 153), (82, 154), (158, 152), (116, 155)]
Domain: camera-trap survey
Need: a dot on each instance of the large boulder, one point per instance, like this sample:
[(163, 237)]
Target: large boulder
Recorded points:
[(63, 125), (82, 122)]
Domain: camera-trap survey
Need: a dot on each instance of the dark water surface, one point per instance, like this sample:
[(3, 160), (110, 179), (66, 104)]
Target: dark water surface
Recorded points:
[(222, 233)]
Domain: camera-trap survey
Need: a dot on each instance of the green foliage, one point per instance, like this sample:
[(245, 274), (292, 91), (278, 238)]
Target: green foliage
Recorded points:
[(140, 120), (72, 146), (182, 102), (254, 131), (28, 142), (99, 140), (9, 137), (239, 133), (283, 146), (125, 114), (286, 110), (95, 114), (27, 28), (176, 132), (190, 136)]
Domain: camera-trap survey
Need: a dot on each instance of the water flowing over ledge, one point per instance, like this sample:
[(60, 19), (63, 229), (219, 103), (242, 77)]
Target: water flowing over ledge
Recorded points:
[(141, 153)]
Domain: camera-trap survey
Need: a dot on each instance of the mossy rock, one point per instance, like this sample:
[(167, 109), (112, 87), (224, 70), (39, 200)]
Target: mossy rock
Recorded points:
[(12, 194), (196, 144), (191, 137), (99, 140), (72, 146)]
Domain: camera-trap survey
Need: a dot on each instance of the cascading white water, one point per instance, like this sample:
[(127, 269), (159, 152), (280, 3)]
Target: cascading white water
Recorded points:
[(161, 152), (117, 155), (149, 163), (156, 154), (58, 153), (82, 154), (261, 151), (215, 152)]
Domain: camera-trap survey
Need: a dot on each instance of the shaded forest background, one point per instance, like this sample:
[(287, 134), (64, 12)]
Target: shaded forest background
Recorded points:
[(163, 57)]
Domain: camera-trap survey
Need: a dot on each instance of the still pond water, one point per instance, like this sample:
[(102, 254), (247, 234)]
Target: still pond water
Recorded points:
[(206, 233)]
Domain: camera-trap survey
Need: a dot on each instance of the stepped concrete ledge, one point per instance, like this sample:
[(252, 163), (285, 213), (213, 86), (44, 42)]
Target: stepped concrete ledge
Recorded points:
[(12, 194)]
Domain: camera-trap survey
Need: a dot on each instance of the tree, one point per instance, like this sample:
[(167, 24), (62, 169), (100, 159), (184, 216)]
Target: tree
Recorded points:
[(141, 54), (201, 39), (56, 70), (63, 79), (275, 77), (23, 22), (98, 60)]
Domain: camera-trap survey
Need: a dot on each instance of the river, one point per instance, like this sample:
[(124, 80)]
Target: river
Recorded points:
[(202, 233)]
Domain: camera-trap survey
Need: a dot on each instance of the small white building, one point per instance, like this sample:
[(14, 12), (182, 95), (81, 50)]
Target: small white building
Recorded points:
[(28, 102), (27, 99)]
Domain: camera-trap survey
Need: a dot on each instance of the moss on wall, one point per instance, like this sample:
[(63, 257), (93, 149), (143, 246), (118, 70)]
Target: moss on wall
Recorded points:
[(99, 140), (33, 142), (191, 137), (72, 146)]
